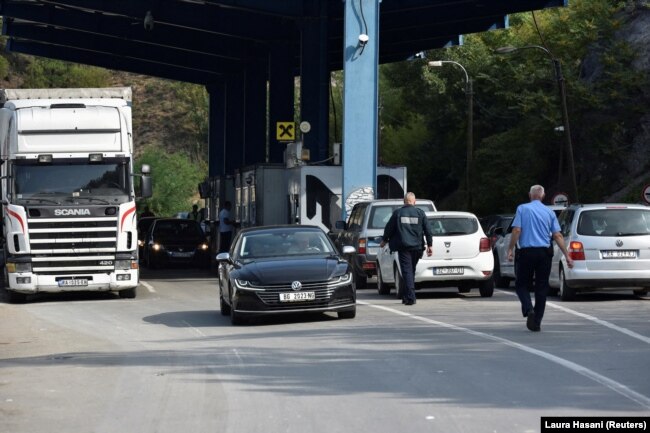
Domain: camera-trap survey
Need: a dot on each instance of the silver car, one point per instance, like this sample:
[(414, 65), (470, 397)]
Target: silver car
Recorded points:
[(610, 248), (504, 270)]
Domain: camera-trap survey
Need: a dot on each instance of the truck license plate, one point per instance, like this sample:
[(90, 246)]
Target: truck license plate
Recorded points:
[(297, 296), (73, 283)]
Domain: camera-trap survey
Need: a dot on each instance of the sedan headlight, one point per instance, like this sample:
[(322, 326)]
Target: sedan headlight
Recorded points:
[(157, 247), (245, 285), (203, 247)]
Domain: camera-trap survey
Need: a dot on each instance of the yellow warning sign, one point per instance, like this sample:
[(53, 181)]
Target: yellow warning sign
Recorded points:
[(285, 131)]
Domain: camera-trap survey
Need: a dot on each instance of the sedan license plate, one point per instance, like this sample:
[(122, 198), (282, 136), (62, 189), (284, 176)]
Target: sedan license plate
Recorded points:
[(619, 254), (297, 296), (449, 271), (73, 283), (181, 255)]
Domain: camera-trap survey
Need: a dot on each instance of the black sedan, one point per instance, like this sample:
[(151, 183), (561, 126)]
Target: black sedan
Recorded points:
[(172, 241), (285, 269)]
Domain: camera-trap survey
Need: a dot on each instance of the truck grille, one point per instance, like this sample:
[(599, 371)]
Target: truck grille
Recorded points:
[(72, 246)]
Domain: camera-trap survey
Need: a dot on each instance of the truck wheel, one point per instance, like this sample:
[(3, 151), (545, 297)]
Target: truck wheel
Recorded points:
[(127, 293), (15, 297)]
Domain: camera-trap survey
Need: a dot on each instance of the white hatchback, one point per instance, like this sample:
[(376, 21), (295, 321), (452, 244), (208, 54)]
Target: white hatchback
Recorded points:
[(610, 248), (461, 258)]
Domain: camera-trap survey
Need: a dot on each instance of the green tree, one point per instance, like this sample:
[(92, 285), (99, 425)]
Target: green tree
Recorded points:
[(175, 178)]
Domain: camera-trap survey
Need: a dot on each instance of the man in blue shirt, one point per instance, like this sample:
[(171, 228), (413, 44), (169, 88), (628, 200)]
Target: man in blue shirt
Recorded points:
[(533, 228)]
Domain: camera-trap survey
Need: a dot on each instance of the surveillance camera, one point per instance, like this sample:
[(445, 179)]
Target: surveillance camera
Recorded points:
[(148, 21), (363, 39)]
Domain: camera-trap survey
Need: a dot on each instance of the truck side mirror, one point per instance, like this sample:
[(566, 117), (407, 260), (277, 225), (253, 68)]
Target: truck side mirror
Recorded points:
[(146, 189)]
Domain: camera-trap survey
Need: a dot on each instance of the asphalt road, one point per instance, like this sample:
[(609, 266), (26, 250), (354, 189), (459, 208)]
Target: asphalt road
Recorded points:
[(167, 361)]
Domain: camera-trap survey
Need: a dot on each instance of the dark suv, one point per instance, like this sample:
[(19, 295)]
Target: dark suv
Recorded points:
[(365, 224)]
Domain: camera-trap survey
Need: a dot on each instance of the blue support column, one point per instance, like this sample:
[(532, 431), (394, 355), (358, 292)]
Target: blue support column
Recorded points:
[(217, 130), (360, 101), (281, 95), (235, 125), (314, 80)]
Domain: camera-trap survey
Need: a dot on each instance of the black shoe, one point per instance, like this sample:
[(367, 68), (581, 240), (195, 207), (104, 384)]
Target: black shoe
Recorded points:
[(409, 303), (531, 324)]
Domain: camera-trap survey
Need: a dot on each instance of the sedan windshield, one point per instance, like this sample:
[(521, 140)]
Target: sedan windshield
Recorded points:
[(276, 243), (81, 179)]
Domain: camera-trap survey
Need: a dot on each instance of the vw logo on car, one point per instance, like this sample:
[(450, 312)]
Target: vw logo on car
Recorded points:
[(296, 285)]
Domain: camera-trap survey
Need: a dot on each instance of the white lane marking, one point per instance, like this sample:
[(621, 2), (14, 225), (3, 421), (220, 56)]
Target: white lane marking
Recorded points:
[(148, 286), (197, 330), (595, 320), (617, 387)]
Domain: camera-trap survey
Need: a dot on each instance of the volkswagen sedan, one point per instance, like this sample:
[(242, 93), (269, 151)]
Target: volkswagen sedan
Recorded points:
[(284, 269)]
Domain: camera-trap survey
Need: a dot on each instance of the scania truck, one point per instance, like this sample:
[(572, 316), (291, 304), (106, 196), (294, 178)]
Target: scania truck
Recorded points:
[(68, 191)]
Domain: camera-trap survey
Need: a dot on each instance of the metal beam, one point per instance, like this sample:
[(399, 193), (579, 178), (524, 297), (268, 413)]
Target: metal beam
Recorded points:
[(115, 62), (146, 52)]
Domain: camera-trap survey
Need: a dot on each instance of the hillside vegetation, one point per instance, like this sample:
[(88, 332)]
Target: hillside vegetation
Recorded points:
[(603, 47)]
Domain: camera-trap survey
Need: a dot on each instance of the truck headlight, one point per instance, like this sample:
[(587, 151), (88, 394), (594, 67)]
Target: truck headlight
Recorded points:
[(122, 264), (13, 267)]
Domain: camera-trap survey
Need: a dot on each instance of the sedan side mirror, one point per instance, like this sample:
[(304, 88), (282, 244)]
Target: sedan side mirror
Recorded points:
[(348, 249), (223, 257)]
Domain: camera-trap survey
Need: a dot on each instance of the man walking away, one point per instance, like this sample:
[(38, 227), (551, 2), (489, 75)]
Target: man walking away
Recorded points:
[(534, 228), (404, 232), (225, 228)]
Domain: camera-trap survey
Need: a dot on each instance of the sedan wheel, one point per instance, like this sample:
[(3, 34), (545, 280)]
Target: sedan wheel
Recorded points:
[(399, 284), (486, 288), (382, 288), (499, 281), (348, 314), (566, 292), (223, 305), (362, 281)]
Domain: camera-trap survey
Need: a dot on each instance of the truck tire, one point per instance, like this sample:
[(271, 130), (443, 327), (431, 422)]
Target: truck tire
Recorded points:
[(127, 293), (14, 297)]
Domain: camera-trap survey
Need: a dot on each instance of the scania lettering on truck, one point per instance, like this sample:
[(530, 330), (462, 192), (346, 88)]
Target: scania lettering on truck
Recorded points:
[(68, 195)]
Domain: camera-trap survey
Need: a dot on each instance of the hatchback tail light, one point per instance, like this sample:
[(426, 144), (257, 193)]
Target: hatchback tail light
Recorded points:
[(362, 246), (484, 245), (576, 251)]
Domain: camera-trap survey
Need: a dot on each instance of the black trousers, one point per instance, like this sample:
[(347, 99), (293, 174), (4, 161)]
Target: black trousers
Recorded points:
[(408, 260), (224, 241), (533, 266)]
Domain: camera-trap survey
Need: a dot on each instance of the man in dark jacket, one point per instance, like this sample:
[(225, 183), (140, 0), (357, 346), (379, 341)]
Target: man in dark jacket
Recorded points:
[(404, 232)]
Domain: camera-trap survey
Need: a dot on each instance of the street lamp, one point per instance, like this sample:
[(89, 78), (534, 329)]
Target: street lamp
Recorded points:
[(557, 66), (470, 124)]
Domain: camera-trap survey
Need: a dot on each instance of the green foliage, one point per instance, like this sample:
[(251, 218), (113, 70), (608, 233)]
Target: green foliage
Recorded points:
[(516, 109), (175, 178), (48, 73), (193, 102)]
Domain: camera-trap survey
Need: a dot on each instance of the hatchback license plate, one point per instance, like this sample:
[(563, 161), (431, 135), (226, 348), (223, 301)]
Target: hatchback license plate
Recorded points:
[(73, 283), (297, 296), (449, 271), (619, 254)]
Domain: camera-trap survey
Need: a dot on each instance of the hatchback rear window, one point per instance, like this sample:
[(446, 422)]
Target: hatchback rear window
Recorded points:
[(379, 215), (453, 226), (614, 222)]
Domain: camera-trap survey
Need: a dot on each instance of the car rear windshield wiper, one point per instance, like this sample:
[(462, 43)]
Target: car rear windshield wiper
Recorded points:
[(632, 234)]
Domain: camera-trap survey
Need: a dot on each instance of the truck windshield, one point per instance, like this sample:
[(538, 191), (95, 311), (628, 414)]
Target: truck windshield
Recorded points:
[(107, 181)]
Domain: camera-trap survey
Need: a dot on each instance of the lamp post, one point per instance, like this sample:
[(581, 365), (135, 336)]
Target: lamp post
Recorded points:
[(557, 67), (470, 125)]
